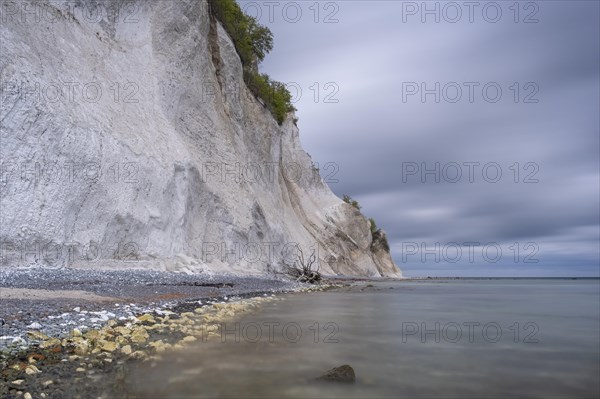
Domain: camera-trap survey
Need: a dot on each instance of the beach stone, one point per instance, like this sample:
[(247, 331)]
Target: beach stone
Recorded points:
[(108, 346), (92, 334), (138, 355), (156, 344), (146, 318), (31, 369), (82, 347), (343, 373), (50, 343), (139, 335), (37, 335), (124, 331)]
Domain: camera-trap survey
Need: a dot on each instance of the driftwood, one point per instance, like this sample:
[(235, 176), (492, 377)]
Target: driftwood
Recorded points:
[(302, 269)]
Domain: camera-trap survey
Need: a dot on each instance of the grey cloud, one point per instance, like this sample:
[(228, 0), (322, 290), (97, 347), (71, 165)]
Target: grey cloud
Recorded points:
[(371, 132)]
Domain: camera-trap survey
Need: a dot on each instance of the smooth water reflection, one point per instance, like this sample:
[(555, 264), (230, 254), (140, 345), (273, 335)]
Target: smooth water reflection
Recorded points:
[(498, 338)]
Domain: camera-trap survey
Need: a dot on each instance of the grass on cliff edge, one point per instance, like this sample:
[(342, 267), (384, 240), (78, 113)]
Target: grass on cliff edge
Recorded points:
[(253, 42)]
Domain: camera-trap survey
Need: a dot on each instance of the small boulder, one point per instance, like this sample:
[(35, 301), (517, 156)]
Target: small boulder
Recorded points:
[(37, 335), (82, 347), (108, 346), (148, 318), (343, 373), (92, 334), (139, 335), (52, 342), (126, 349), (31, 369)]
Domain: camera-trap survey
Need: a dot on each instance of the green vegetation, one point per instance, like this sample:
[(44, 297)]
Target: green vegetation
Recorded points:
[(252, 42), (373, 225), (349, 200), (379, 236), (274, 94), (376, 232)]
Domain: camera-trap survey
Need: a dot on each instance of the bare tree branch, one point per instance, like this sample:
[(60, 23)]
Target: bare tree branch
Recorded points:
[(302, 270)]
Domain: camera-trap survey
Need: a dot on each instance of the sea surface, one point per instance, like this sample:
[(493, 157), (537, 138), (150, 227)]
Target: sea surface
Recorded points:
[(499, 338)]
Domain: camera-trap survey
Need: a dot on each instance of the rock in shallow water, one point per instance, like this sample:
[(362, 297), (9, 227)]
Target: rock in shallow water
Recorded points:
[(343, 373)]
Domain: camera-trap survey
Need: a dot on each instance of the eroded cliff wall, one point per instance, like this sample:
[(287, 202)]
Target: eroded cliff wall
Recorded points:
[(128, 139)]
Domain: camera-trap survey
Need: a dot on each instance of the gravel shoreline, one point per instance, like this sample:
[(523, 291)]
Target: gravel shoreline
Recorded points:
[(65, 330), (124, 294)]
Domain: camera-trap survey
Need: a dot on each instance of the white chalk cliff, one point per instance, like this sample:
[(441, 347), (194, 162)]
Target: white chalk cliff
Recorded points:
[(129, 140)]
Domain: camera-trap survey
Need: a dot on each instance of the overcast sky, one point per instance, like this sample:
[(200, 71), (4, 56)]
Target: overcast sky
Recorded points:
[(541, 133)]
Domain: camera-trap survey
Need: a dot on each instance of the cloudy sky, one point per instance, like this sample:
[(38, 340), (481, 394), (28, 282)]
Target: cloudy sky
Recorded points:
[(470, 133)]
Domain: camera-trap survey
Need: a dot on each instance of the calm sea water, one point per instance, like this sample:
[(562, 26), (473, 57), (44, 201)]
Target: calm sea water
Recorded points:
[(448, 339)]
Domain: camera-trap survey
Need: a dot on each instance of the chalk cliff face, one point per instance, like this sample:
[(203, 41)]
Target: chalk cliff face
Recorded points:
[(129, 139)]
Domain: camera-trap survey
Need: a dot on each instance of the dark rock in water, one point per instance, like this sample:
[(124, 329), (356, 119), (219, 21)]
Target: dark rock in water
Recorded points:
[(343, 373)]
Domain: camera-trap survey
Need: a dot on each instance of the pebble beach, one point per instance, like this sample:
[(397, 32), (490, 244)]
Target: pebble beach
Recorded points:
[(69, 332)]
